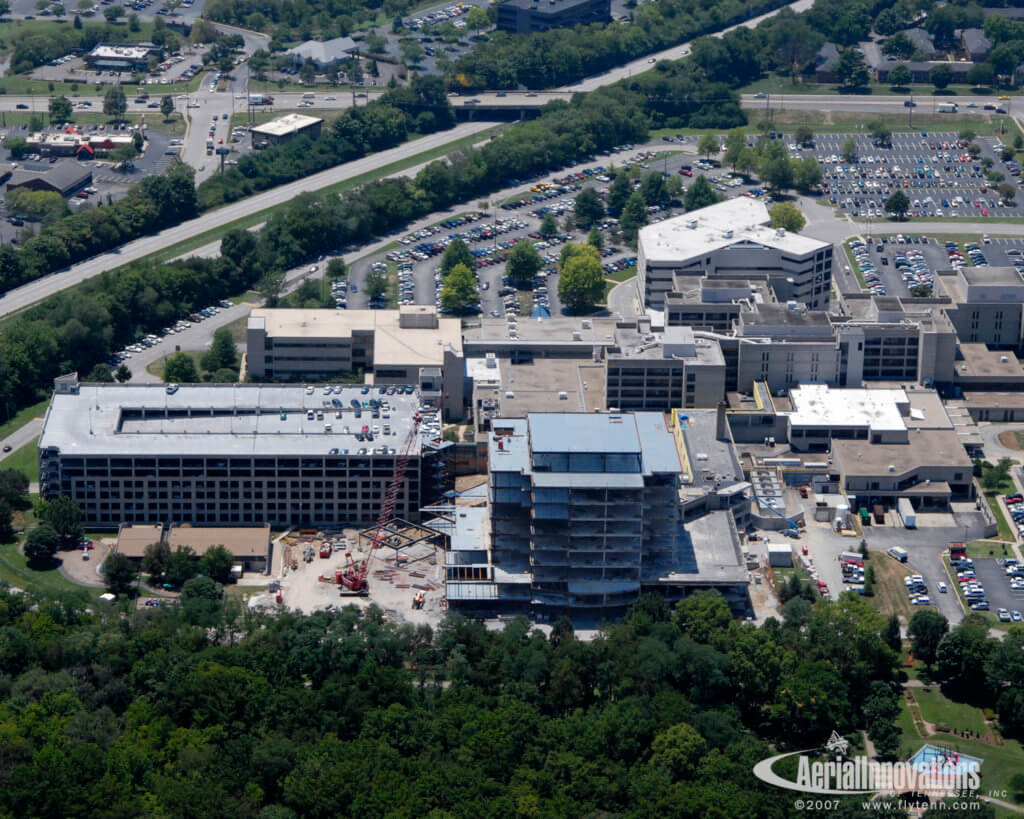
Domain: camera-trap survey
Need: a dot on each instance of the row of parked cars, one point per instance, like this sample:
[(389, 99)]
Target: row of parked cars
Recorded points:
[(972, 588), (913, 266), (917, 590), (1015, 508), (866, 267), (155, 338)]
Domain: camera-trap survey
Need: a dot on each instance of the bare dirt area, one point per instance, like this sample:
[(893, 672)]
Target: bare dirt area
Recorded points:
[(400, 570), (1011, 439)]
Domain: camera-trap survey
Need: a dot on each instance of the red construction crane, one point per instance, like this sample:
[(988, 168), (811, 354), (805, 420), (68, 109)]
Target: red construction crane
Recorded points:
[(353, 576)]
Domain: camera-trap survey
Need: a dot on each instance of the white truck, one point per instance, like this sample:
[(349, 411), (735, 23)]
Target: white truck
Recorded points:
[(906, 510), (897, 553), (948, 107)]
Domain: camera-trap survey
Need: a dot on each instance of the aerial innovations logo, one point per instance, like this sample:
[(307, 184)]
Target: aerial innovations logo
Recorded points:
[(840, 775)]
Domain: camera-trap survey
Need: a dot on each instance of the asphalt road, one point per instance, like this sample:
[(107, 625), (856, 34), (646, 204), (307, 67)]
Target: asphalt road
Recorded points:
[(32, 292)]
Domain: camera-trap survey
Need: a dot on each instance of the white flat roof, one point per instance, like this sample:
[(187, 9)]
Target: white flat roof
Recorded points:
[(392, 343), (217, 420), (817, 405), (735, 221), (288, 124)]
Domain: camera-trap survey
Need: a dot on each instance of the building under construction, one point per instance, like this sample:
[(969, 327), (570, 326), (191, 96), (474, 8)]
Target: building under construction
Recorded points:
[(586, 512)]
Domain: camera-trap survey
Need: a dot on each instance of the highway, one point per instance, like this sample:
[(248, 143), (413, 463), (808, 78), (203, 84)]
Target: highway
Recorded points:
[(30, 293)]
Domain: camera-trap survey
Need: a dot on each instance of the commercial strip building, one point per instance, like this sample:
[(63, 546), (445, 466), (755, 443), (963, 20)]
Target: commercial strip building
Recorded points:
[(584, 514), (249, 545), (128, 57), (411, 345), (285, 129), (529, 16), (71, 142), (731, 240), (231, 454)]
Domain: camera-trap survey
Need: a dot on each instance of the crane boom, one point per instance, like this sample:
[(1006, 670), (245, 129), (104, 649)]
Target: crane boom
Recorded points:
[(353, 576)]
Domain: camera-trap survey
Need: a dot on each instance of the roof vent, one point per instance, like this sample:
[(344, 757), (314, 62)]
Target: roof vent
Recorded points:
[(892, 467), (1003, 359), (780, 232), (727, 234), (691, 224)]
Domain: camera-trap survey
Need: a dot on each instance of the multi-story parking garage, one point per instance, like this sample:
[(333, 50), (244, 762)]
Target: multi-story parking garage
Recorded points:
[(232, 453)]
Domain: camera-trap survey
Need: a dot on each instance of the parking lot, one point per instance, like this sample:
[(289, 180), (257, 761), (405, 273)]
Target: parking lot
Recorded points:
[(934, 169), (896, 265), (992, 575), (491, 237)]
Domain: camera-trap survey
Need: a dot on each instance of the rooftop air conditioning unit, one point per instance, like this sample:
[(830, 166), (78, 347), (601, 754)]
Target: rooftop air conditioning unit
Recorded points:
[(691, 224)]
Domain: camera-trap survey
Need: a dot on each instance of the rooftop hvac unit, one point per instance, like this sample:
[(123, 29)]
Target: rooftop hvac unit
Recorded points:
[(510, 394), (563, 396), (691, 224), (892, 467), (586, 324), (780, 232), (727, 234), (577, 335), (1003, 359)]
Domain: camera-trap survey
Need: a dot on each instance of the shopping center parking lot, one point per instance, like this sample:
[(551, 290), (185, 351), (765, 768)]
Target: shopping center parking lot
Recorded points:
[(934, 169)]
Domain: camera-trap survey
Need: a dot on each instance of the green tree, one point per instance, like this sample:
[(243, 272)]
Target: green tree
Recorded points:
[(735, 142), (803, 134), (167, 106), (981, 74), (678, 751), (41, 544), (807, 174), (848, 149), (899, 76), (459, 292), (777, 172), (850, 69), (65, 516), (1007, 191), (112, 13), (634, 216), (926, 630), (133, 23), (699, 195), (893, 638), (708, 145), (123, 374), (7, 533), (595, 239), (60, 109), (524, 262), (941, 76), (477, 19), (217, 563), (412, 51), (457, 252), (223, 352), (899, 46), (654, 189), (156, 560), (897, 203), (201, 600), (180, 368), (14, 489), (880, 132), (337, 269), (962, 654), (618, 193), (183, 565), (787, 215), (119, 573), (881, 709), (376, 285), (548, 226), (114, 103), (581, 282), (100, 373), (589, 207)]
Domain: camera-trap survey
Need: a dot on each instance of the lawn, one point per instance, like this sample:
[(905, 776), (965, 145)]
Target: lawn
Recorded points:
[(259, 217), (937, 708), (622, 275), (14, 569), (25, 460), (996, 505), (890, 595), (853, 266), (988, 548), (248, 296), (23, 417), (844, 122), (777, 85)]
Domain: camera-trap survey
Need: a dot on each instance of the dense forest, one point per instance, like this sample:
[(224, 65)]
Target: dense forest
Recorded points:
[(208, 710)]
